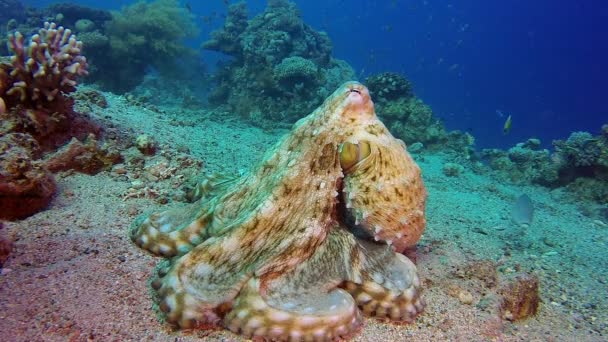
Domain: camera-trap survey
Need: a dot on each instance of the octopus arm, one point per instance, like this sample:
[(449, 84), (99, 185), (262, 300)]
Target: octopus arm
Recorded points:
[(323, 297), (389, 287), (197, 287), (173, 232), (305, 303)]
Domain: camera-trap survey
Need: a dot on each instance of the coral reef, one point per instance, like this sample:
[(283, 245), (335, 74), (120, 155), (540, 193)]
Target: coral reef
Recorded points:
[(281, 67), (524, 163), (410, 119), (300, 247), (583, 154), (579, 163), (34, 87), (388, 86), (36, 117), (72, 13), (141, 36)]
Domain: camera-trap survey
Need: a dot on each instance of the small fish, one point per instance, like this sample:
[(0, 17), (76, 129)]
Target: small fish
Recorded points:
[(507, 126), (522, 212), (188, 7)]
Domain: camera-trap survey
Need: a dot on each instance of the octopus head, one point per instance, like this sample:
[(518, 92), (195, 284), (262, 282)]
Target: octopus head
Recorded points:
[(383, 196)]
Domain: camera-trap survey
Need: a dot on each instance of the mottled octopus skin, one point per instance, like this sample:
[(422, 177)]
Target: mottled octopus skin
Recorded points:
[(299, 248)]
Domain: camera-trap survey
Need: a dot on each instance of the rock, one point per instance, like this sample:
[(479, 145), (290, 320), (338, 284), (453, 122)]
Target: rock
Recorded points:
[(88, 157), (6, 247), (452, 169), (465, 297), (520, 297), (26, 186), (146, 144)]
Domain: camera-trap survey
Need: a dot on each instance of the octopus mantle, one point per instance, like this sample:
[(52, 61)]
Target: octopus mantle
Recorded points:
[(306, 242)]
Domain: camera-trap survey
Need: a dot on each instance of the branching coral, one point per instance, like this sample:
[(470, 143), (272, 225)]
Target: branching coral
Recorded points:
[(36, 116), (43, 70)]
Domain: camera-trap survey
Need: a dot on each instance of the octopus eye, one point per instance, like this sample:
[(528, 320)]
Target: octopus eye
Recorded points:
[(354, 91), (351, 154)]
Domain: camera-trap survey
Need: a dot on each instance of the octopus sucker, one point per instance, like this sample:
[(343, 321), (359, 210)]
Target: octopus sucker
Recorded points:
[(333, 315), (304, 244)]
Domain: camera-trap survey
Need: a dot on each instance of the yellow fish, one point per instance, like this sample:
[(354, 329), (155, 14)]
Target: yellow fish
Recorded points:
[(507, 127)]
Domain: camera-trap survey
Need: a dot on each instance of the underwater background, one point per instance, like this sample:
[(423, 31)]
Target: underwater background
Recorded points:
[(110, 110), (542, 62)]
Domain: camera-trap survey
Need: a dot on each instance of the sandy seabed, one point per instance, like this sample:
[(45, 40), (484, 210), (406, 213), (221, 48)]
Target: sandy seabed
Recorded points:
[(74, 275)]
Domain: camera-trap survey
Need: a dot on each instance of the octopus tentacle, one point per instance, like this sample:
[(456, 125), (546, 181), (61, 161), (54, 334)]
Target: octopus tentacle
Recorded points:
[(197, 286), (172, 232), (212, 185), (210, 275), (312, 316), (390, 288), (304, 303)]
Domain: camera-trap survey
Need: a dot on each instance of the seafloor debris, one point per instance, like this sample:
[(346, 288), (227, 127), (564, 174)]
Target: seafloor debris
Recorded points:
[(146, 144), (520, 297)]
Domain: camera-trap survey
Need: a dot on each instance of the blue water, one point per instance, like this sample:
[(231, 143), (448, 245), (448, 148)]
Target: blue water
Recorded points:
[(545, 62)]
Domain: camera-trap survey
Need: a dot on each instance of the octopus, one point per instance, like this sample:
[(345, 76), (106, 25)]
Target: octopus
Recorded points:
[(304, 245)]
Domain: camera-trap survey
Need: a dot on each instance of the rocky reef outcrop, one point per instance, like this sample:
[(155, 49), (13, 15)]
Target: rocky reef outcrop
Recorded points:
[(410, 119), (579, 163), (281, 68)]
